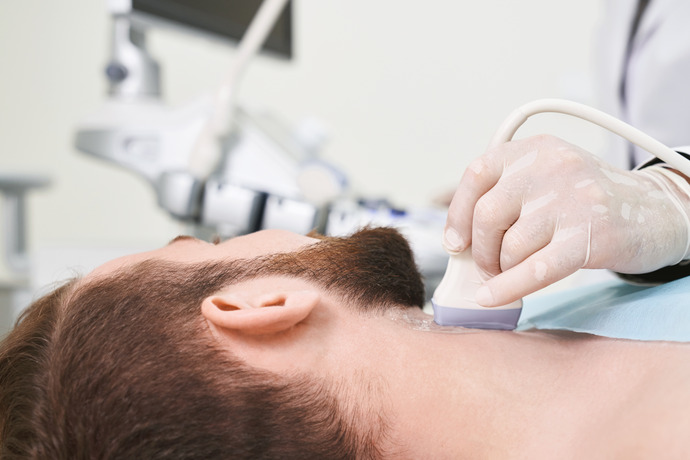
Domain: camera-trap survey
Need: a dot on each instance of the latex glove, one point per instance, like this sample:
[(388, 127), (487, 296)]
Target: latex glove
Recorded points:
[(537, 210)]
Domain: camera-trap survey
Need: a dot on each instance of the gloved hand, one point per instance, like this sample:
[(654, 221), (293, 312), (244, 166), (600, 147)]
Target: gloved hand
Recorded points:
[(536, 210)]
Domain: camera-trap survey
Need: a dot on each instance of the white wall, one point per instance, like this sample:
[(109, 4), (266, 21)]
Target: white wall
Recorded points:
[(412, 90)]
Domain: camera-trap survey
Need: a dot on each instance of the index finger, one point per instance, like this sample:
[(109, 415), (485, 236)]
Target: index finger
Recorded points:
[(481, 175)]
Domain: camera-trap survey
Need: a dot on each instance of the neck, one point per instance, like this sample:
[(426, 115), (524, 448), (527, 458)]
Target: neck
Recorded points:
[(485, 394)]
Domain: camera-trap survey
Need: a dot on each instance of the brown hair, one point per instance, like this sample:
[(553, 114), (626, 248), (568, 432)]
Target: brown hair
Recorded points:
[(122, 367)]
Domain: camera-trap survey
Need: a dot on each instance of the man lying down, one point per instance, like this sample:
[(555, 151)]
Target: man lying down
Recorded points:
[(275, 345)]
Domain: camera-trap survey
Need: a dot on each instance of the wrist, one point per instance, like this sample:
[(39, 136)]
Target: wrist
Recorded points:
[(677, 188)]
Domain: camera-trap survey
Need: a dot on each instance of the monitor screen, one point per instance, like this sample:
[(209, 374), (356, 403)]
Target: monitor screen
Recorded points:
[(226, 18)]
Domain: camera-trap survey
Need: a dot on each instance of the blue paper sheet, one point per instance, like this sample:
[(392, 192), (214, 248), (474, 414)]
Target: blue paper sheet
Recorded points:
[(615, 309)]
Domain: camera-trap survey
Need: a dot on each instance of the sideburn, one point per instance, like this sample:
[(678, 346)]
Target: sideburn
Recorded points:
[(373, 269)]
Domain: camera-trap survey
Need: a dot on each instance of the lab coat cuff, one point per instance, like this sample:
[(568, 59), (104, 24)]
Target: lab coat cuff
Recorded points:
[(655, 161)]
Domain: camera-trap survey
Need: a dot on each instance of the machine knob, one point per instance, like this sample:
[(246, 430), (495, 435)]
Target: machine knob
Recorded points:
[(116, 72)]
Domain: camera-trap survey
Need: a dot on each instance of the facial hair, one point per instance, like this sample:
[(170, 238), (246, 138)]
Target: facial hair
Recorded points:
[(373, 269)]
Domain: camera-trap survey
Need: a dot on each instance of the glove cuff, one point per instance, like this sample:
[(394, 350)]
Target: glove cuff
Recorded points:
[(677, 188)]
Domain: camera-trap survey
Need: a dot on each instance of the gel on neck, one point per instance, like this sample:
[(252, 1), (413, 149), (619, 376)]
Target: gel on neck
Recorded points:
[(453, 301)]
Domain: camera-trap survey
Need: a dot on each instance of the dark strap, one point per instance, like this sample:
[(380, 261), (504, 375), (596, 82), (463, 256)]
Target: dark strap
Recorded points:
[(641, 7), (656, 161), (622, 88)]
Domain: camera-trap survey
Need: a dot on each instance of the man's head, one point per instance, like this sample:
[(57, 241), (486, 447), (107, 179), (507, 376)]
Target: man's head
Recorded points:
[(203, 351)]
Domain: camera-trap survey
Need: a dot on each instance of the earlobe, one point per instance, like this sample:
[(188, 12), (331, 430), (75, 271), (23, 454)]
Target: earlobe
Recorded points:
[(259, 313)]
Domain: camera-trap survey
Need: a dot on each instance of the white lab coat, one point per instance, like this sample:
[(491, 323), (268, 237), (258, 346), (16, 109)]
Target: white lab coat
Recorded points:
[(658, 78)]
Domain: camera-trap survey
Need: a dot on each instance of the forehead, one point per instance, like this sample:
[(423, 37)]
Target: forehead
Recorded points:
[(186, 249)]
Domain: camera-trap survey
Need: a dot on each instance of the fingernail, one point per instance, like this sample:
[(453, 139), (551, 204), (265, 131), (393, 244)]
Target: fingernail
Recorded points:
[(484, 296), (452, 240)]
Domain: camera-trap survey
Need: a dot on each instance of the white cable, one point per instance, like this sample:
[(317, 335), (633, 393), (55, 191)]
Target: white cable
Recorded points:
[(518, 117), (207, 153), (252, 40)]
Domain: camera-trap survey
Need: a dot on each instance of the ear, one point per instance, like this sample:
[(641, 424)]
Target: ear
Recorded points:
[(256, 313)]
